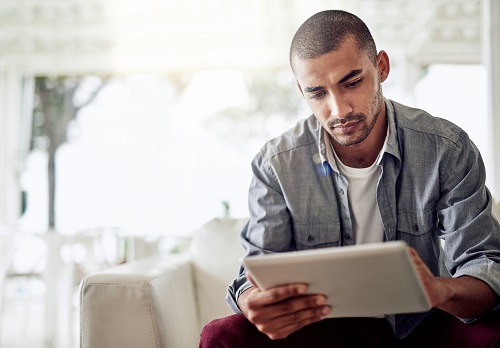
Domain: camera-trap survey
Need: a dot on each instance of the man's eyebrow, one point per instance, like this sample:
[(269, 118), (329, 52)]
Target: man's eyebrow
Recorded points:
[(350, 75), (313, 89), (341, 81)]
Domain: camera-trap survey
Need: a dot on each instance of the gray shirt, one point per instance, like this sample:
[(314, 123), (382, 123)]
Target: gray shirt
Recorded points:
[(432, 187)]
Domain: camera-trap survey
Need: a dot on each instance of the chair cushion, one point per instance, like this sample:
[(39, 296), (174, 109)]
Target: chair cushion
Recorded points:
[(216, 251)]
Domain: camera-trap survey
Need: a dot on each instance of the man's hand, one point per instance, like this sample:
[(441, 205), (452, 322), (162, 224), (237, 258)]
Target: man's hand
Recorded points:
[(464, 297), (437, 291), (282, 310)]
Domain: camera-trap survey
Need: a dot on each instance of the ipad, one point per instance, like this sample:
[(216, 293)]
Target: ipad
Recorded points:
[(359, 281)]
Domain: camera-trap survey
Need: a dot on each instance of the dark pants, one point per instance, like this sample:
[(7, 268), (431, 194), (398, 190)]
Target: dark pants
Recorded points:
[(438, 330)]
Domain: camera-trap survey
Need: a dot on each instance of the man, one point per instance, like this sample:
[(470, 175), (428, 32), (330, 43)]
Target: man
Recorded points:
[(365, 169)]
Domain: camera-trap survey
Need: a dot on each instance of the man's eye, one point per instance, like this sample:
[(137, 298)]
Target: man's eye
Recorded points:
[(353, 83), (317, 95)]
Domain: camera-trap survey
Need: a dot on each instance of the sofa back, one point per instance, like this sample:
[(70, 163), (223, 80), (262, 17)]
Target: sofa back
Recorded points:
[(216, 251)]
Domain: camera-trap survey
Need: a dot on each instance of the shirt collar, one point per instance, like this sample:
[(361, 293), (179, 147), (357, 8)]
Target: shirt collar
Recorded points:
[(325, 149), (391, 145)]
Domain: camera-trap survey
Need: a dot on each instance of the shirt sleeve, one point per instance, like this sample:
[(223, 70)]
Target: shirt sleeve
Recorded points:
[(471, 232), (269, 227)]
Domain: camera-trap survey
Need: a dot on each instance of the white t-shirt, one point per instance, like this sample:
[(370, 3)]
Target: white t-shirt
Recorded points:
[(362, 197)]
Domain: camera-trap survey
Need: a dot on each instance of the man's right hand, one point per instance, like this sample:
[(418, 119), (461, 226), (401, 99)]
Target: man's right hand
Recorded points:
[(282, 310)]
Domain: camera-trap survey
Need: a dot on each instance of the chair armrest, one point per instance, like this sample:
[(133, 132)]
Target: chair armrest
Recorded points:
[(149, 303)]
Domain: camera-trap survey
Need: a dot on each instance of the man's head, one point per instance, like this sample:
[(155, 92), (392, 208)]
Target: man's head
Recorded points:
[(339, 72), (325, 31)]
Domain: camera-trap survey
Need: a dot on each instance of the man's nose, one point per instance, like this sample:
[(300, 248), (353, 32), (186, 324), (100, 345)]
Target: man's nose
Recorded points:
[(339, 107)]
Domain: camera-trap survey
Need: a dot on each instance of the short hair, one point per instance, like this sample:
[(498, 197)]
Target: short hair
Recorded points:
[(326, 31)]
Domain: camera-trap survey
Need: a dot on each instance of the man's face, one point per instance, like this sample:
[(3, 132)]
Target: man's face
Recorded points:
[(343, 90)]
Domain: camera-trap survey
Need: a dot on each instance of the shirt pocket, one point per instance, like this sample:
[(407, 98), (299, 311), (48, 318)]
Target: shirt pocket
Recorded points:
[(414, 227), (416, 222), (316, 235)]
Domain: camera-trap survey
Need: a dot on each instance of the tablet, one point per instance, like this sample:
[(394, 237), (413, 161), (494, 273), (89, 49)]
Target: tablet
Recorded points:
[(359, 281)]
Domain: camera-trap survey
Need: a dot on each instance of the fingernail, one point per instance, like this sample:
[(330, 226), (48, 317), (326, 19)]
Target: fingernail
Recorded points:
[(302, 289), (326, 310), (320, 301)]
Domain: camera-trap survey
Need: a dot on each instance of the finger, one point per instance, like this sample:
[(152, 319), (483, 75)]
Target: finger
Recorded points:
[(413, 253), (288, 311), (295, 326), (300, 290), (289, 308), (278, 329), (431, 284), (279, 293), (417, 261), (421, 267)]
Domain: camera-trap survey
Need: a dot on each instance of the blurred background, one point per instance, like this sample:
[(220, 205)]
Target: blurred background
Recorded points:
[(125, 125)]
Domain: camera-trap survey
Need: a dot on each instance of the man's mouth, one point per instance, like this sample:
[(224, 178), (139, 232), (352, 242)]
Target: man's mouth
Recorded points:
[(347, 127), (346, 124)]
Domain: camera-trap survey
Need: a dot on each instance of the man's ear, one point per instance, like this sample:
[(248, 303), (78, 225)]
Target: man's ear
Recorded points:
[(300, 88), (383, 65)]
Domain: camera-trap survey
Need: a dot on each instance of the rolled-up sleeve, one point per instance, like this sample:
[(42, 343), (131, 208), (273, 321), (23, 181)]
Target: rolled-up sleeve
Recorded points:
[(471, 232)]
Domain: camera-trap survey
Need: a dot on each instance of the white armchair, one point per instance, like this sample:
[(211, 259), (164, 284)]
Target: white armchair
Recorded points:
[(165, 301)]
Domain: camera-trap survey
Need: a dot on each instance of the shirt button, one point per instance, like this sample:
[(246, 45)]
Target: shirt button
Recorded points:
[(341, 191), (415, 228), (310, 238)]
